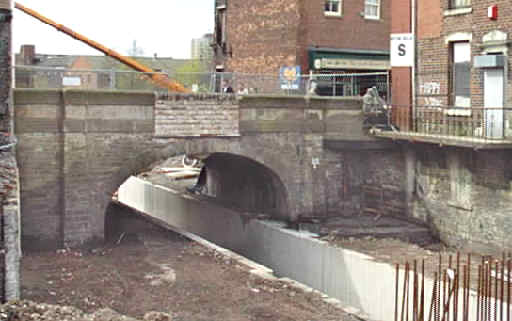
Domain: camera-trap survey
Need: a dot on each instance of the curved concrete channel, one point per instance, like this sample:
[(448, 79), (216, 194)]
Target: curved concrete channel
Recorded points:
[(355, 279)]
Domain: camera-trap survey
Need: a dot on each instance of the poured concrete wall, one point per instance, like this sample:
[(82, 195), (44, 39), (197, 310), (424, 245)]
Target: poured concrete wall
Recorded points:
[(354, 278)]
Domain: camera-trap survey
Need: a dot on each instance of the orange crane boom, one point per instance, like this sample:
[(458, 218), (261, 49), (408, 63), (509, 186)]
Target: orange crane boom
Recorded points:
[(159, 79)]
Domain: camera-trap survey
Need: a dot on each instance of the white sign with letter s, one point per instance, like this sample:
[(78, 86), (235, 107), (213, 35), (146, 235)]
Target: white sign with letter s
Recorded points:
[(402, 50)]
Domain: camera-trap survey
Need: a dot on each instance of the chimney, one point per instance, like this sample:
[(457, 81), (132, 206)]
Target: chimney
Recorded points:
[(28, 54)]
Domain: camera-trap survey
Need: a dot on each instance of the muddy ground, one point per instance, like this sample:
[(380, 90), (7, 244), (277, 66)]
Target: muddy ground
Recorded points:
[(156, 270)]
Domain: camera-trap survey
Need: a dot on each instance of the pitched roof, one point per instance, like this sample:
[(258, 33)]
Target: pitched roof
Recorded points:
[(165, 64)]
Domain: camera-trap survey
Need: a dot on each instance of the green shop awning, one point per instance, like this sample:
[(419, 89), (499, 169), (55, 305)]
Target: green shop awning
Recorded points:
[(348, 59)]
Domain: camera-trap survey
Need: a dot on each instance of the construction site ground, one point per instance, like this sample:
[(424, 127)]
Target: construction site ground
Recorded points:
[(145, 268), (387, 239)]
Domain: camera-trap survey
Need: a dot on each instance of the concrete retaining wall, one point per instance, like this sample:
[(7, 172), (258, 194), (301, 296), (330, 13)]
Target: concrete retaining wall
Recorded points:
[(354, 278)]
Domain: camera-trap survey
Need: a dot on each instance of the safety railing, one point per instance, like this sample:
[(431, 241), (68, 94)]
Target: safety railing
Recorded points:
[(445, 123)]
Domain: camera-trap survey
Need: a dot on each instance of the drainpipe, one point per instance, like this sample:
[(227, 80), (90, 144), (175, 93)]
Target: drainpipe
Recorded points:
[(413, 69)]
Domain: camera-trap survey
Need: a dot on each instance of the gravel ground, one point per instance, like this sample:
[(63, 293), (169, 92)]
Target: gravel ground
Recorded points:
[(147, 269)]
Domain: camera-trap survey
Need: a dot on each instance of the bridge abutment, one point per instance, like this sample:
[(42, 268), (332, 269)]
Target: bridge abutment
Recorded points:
[(76, 148)]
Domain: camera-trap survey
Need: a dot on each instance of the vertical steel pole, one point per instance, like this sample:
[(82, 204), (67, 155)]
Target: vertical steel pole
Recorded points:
[(396, 291)]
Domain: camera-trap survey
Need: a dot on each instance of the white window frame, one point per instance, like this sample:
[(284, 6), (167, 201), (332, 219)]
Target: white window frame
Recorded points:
[(367, 3), (334, 13), (458, 4)]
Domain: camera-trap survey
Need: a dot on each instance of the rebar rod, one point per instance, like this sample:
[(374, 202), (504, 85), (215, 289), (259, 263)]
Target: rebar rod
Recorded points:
[(415, 296), (397, 275), (496, 270), (445, 294), (478, 296), (509, 263), (464, 289), (403, 293), (407, 296), (468, 286), (433, 299), (422, 299), (456, 281), (449, 285), (502, 293)]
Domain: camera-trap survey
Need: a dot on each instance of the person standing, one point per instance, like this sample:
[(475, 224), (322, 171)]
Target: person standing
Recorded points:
[(227, 89)]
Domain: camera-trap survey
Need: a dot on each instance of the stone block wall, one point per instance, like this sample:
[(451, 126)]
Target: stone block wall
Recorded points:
[(465, 196), (196, 115), (74, 147)]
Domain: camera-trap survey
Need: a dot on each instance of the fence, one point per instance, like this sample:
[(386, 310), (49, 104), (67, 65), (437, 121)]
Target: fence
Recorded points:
[(456, 289), (205, 82), (463, 123), (47, 78)]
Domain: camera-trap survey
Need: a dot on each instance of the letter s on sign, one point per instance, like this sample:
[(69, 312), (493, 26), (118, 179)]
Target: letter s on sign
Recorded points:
[(401, 50)]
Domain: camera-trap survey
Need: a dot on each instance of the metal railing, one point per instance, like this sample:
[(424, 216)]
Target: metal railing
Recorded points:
[(205, 82), (476, 124)]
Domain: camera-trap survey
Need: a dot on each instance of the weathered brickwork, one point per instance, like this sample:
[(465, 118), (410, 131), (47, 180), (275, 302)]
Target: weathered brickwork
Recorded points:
[(465, 196), (260, 35), (436, 27), (196, 115)]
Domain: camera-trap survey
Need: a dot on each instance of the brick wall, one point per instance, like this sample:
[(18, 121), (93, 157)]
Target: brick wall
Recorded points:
[(351, 30), (261, 34), (435, 25), (196, 115), (401, 92)]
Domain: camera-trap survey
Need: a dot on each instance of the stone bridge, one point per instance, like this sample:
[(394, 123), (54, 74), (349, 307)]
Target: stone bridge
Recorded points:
[(284, 156)]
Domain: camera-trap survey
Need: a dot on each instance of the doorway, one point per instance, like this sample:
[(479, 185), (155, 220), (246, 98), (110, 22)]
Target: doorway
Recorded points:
[(493, 102)]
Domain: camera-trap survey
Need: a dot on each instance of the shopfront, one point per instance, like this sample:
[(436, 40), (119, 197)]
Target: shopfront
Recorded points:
[(349, 72)]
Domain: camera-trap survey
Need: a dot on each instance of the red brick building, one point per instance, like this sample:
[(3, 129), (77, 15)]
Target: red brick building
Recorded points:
[(461, 61), (319, 35)]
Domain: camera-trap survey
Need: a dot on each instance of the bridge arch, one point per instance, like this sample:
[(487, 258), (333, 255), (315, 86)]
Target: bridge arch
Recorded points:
[(246, 184)]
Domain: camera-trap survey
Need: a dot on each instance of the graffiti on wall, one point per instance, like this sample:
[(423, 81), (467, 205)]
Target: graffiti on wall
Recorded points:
[(431, 88)]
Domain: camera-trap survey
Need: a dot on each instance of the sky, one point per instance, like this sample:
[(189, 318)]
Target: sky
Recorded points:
[(164, 27)]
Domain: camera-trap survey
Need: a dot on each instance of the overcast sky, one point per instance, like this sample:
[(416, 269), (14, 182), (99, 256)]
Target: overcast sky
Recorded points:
[(165, 27)]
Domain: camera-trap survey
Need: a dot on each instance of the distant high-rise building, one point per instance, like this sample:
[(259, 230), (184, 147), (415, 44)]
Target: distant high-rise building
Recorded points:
[(201, 48)]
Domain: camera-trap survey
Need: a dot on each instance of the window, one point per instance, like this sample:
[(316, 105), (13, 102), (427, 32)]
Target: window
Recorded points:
[(372, 9), (461, 74), (332, 7), (460, 4)]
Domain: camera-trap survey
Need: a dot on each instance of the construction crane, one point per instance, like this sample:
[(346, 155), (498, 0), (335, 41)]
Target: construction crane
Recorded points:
[(159, 79)]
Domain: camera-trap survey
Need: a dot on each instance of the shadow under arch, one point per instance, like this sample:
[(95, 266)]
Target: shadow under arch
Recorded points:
[(245, 184)]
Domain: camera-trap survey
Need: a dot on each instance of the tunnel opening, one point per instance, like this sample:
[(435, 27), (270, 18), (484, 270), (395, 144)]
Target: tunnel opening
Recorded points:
[(244, 184)]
